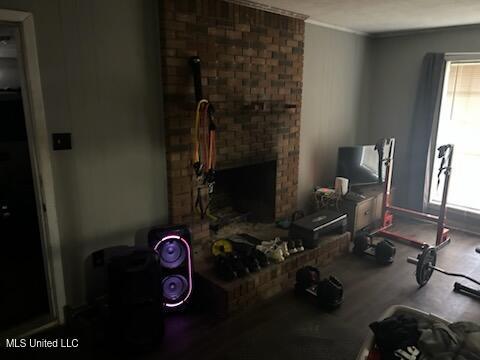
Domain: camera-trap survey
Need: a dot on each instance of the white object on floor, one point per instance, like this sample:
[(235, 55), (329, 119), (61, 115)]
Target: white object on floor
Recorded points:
[(411, 353), (272, 250)]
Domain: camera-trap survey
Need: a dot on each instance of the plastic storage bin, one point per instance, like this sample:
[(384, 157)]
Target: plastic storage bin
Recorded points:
[(369, 342)]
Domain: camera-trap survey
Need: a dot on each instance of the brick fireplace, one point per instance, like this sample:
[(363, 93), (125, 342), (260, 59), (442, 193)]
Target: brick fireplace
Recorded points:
[(249, 190), (252, 64)]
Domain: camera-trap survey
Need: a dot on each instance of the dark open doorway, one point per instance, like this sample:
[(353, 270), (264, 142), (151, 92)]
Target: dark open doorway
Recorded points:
[(23, 282)]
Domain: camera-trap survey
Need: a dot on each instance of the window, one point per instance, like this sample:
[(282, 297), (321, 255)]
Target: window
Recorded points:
[(459, 124)]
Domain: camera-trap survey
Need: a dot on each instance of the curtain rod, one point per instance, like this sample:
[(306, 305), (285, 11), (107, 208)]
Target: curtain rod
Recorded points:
[(461, 53), (462, 56)]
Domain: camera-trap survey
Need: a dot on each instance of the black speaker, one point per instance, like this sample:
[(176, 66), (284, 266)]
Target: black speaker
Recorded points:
[(173, 247), (135, 298)]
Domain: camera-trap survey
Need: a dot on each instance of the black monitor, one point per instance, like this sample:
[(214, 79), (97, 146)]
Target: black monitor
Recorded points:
[(360, 165)]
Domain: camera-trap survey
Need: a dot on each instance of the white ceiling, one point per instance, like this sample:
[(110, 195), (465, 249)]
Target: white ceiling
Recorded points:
[(376, 16)]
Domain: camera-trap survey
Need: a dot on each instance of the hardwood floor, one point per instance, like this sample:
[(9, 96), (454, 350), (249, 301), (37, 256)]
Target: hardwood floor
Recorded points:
[(369, 291), (289, 327)]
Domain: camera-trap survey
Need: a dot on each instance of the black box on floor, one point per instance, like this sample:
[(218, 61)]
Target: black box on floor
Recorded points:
[(310, 228)]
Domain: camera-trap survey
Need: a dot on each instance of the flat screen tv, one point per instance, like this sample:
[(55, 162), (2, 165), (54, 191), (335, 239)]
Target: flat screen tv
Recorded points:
[(360, 165)]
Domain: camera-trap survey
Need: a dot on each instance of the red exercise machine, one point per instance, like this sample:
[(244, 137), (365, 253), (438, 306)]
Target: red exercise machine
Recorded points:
[(445, 153)]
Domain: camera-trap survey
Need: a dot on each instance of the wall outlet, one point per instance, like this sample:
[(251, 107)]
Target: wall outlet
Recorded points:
[(62, 141)]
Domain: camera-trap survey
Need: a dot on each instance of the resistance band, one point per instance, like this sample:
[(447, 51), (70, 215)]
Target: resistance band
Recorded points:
[(204, 151)]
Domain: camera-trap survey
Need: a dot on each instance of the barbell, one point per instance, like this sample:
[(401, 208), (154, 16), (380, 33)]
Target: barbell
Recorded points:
[(426, 265)]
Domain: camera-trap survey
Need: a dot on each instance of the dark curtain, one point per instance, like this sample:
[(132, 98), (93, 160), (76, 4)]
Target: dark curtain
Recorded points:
[(425, 117)]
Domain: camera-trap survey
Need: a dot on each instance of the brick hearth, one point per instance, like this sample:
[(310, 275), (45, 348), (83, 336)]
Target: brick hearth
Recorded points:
[(225, 298), (252, 65)]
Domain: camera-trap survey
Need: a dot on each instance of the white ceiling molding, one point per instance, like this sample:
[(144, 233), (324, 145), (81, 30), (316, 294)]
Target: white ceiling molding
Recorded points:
[(335, 27), (268, 8), (422, 31)]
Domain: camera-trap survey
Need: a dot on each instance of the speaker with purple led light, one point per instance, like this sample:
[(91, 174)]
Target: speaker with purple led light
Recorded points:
[(173, 247)]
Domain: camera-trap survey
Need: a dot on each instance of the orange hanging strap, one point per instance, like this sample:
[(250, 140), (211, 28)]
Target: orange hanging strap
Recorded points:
[(205, 135), (212, 151), (196, 130)]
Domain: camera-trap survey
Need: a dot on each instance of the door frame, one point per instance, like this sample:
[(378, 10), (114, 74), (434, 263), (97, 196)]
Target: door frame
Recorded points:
[(39, 147)]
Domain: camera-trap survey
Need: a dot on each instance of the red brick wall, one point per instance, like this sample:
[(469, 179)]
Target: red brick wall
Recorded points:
[(227, 297), (252, 65)]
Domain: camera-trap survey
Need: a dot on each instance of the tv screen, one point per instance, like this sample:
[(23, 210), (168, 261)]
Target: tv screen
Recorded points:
[(359, 164)]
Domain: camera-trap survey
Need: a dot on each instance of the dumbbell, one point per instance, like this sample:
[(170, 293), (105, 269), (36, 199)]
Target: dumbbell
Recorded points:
[(230, 266), (328, 292), (383, 252)]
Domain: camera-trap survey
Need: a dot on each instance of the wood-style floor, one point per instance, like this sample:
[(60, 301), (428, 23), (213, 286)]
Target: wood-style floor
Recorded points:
[(369, 291), (289, 327)]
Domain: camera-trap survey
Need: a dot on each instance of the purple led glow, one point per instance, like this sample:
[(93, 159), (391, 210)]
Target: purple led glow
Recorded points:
[(172, 254), (174, 286), (189, 262)]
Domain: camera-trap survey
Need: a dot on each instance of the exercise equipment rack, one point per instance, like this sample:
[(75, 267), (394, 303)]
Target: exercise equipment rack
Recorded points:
[(443, 233)]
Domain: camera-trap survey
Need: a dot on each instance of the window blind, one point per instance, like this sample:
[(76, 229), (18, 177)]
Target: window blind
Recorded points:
[(459, 124)]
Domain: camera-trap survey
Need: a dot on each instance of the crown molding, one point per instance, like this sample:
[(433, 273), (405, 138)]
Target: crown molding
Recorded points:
[(271, 9), (335, 27), (397, 33)]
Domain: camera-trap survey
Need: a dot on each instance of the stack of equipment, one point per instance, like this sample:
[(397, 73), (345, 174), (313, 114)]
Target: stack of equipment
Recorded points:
[(328, 292), (278, 250), (237, 256)]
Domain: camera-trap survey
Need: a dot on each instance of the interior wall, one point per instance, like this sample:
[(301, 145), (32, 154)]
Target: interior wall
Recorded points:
[(334, 103), (396, 63), (100, 79)]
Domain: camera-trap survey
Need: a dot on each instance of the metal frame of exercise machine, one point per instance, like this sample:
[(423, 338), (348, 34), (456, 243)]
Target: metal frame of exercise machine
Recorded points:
[(443, 233)]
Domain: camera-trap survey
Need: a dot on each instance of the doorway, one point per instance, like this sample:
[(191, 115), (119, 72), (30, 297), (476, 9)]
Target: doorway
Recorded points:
[(23, 282)]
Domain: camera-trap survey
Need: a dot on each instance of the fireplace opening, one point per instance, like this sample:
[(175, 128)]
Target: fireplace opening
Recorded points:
[(247, 192)]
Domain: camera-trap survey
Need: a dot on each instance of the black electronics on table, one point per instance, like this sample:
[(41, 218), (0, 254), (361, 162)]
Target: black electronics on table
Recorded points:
[(361, 165)]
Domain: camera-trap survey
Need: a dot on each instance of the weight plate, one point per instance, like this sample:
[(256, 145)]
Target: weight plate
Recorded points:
[(222, 246), (426, 260)]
